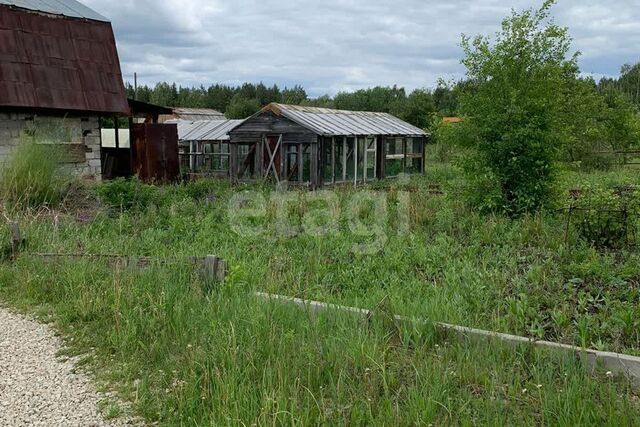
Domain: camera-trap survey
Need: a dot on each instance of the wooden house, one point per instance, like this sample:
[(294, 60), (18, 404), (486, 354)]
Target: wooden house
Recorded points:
[(59, 71), (318, 146)]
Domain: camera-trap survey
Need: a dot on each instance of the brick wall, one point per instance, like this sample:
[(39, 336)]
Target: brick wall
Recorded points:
[(83, 132)]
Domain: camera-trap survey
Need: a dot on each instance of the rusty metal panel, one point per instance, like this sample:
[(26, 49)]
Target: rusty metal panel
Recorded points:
[(59, 63), (155, 152)]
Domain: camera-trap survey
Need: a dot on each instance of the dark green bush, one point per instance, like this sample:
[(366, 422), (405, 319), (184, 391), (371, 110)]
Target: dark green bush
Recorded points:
[(127, 194), (511, 113)]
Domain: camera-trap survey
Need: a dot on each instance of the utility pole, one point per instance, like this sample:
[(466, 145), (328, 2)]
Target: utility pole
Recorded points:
[(135, 86)]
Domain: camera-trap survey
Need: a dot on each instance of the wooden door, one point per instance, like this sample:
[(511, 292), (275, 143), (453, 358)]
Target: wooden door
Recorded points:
[(272, 157)]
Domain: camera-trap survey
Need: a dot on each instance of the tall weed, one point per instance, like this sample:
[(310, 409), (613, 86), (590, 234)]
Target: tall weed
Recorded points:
[(31, 177)]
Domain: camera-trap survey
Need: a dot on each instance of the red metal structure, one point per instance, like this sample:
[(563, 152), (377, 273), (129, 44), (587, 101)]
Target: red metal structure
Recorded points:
[(59, 63), (155, 152)]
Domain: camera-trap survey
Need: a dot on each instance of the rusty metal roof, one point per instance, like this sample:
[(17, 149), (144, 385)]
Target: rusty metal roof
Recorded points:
[(206, 130), (70, 8), (59, 63), (197, 114), (327, 122)]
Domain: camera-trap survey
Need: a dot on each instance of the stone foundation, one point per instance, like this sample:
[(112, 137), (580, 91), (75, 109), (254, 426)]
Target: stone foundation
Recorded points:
[(82, 134)]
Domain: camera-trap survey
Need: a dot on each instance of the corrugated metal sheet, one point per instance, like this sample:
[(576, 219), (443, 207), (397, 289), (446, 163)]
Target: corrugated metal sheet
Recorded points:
[(197, 114), (206, 130), (59, 63), (327, 122), (70, 8), (155, 155)]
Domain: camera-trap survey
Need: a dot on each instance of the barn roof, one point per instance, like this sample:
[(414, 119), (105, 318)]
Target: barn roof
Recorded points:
[(196, 114), (206, 130), (69, 8), (58, 63), (327, 122)]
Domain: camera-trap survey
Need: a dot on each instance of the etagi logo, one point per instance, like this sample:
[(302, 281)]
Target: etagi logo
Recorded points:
[(363, 215)]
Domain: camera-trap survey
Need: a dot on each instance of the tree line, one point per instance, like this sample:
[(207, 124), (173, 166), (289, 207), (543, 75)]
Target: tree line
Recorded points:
[(237, 102)]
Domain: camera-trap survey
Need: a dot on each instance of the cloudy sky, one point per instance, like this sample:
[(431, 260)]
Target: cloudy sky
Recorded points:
[(333, 45)]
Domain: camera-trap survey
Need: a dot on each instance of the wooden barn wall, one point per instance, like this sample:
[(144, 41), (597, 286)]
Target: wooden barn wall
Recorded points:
[(252, 130)]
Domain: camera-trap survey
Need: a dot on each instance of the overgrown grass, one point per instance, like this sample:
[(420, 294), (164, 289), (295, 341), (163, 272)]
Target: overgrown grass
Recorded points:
[(187, 355), (32, 176)]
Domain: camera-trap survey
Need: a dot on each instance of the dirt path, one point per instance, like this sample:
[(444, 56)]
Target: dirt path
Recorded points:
[(37, 388)]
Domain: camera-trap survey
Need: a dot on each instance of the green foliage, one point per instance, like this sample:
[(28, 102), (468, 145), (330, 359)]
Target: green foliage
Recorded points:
[(596, 124), (381, 99), (294, 96), (628, 83), (607, 218), (241, 108), (32, 176), (127, 194), (513, 109), (450, 139), (419, 108)]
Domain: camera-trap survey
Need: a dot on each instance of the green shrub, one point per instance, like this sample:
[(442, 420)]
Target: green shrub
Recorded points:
[(31, 177), (511, 113), (127, 194)]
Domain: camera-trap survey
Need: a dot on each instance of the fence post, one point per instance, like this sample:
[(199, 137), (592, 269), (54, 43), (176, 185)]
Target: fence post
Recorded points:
[(568, 225), (215, 268), (16, 239)]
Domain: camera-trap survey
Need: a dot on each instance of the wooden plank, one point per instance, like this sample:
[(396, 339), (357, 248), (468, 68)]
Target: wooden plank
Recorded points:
[(16, 239), (213, 267), (315, 182), (121, 260)]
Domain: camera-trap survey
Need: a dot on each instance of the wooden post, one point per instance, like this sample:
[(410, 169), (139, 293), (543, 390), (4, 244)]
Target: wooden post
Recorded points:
[(568, 225), (16, 239), (215, 268), (116, 122)]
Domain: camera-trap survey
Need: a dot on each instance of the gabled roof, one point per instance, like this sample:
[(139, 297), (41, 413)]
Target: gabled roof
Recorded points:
[(58, 63), (206, 130), (327, 122), (69, 8)]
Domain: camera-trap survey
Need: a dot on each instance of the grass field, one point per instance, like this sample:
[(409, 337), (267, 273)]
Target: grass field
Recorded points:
[(186, 352)]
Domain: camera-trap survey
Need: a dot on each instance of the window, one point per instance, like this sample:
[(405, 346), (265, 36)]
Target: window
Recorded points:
[(414, 158), (394, 157), (340, 159), (212, 157), (327, 160), (246, 161), (291, 164), (403, 155), (371, 151), (350, 166), (306, 163)]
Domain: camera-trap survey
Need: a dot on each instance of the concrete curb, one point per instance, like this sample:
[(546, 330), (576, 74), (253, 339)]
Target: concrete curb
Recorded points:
[(616, 363)]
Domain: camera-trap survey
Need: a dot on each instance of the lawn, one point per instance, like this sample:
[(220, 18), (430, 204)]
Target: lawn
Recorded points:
[(189, 352)]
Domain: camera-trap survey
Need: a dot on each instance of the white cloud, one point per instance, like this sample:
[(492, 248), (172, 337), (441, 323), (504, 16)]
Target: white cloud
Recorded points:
[(334, 45)]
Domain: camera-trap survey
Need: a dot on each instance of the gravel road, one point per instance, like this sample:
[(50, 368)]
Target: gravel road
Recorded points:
[(37, 388)]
